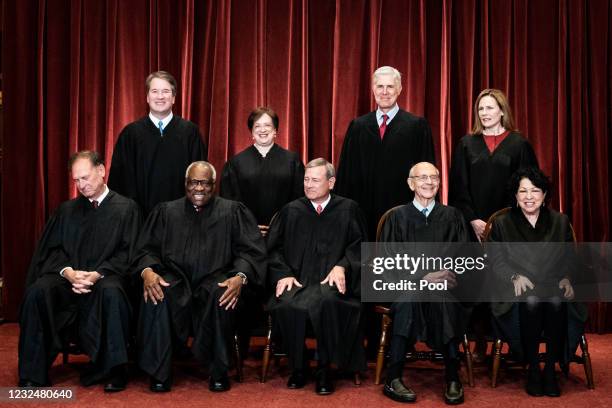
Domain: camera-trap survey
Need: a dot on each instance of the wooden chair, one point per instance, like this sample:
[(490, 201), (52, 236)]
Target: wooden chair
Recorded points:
[(499, 357), (412, 355)]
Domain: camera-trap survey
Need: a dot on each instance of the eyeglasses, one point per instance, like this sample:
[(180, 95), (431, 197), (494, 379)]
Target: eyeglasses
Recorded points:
[(423, 179), (191, 184)]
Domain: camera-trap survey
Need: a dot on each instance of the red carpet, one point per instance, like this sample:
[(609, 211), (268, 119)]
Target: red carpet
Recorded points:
[(191, 391)]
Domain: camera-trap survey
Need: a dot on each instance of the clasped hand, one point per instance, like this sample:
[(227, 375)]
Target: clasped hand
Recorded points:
[(81, 281)]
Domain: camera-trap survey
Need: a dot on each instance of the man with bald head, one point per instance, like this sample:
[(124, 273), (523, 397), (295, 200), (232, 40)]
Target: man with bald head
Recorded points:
[(194, 255), (439, 324), (78, 282)]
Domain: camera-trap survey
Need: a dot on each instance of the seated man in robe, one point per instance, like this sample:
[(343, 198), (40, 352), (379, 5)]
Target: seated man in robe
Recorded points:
[(314, 264), (440, 324), (77, 282), (194, 255)]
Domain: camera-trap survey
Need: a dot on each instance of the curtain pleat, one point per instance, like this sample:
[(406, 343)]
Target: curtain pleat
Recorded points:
[(74, 71)]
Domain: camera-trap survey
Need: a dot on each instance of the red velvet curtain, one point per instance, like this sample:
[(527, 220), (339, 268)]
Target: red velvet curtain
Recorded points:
[(74, 72)]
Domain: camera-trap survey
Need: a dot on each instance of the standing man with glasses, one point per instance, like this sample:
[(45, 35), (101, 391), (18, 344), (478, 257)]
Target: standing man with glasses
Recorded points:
[(151, 154)]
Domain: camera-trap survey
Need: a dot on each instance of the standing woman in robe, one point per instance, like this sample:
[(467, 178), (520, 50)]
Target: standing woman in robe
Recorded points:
[(264, 176), (483, 161), (481, 167)]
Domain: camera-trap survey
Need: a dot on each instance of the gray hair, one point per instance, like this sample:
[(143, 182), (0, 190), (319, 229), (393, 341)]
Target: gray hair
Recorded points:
[(202, 163), (387, 70), (412, 169), (330, 171), (166, 76)]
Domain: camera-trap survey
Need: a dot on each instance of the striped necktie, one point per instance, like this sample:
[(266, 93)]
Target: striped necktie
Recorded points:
[(160, 125)]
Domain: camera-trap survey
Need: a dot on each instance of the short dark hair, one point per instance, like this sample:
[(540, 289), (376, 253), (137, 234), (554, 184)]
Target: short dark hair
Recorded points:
[(533, 174), (258, 113), (166, 76), (90, 155)]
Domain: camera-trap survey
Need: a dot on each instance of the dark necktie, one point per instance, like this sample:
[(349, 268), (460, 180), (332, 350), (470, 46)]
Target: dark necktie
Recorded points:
[(95, 204), (425, 211), (383, 126)]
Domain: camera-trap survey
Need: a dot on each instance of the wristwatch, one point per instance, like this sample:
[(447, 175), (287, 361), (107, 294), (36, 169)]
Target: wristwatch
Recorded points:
[(243, 277)]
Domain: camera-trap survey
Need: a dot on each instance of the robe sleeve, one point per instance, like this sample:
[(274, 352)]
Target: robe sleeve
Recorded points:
[(278, 267), (119, 263), (230, 186), (148, 252), (351, 261), (197, 149), (348, 170), (50, 255), (428, 152), (298, 178), (248, 248), (121, 175), (528, 157), (459, 190)]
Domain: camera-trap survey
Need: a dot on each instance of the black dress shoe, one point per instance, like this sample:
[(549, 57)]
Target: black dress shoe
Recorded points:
[(117, 380), (398, 391), (160, 386), (453, 393), (219, 384), (551, 386), (296, 380), (324, 384), (534, 383)]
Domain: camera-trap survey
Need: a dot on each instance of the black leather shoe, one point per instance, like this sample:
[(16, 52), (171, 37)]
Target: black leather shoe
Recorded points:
[(219, 384), (296, 380), (160, 386), (324, 384), (453, 393), (117, 380), (551, 386), (398, 391), (534, 383)]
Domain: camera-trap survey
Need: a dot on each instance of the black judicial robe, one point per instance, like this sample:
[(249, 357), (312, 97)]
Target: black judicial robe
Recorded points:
[(478, 184), (306, 246), (84, 238), (372, 171), (194, 251), (544, 266), (435, 323), (263, 184), (150, 168)]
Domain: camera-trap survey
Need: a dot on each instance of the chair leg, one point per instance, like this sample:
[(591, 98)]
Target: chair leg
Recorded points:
[(267, 352), (586, 358), (238, 358), (357, 379), (468, 360), (496, 361), (380, 358)]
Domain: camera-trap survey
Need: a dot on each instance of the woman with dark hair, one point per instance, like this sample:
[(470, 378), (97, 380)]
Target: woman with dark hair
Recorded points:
[(536, 275), (264, 176)]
